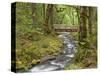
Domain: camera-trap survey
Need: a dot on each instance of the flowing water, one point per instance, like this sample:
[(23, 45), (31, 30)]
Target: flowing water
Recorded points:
[(62, 60)]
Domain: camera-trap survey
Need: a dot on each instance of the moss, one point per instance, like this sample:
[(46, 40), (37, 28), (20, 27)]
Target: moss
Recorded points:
[(30, 51), (74, 66)]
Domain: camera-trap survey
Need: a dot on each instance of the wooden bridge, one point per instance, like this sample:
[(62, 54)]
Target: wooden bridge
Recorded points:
[(66, 28)]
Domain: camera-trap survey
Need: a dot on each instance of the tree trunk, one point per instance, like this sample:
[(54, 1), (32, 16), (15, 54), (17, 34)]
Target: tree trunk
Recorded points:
[(90, 19), (51, 18), (48, 26), (62, 19), (44, 12), (83, 27), (34, 14)]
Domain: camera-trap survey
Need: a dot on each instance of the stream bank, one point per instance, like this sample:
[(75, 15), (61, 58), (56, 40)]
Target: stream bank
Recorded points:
[(62, 60)]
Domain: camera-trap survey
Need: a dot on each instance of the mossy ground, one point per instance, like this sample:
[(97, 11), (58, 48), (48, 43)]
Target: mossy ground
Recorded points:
[(33, 46)]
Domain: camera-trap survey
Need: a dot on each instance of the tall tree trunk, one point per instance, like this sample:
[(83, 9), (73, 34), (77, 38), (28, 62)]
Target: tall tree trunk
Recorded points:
[(83, 27), (34, 14), (78, 18), (44, 12), (72, 15), (62, 19), (48, 26), (51, 18), (90, 19)]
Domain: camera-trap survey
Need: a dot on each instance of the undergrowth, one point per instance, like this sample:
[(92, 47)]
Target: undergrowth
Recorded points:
[(33, 46)]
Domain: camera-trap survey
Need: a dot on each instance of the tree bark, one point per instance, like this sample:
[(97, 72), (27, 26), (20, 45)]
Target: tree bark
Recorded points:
[(48, 26), (90, 19), (44, 12), (34, 14), (83, 27)]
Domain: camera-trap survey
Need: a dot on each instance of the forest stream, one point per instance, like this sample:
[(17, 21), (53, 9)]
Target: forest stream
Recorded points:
[(62, 60), (50, 37)]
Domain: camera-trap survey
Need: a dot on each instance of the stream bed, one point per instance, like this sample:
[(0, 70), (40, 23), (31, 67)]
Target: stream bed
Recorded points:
[(62, 60)]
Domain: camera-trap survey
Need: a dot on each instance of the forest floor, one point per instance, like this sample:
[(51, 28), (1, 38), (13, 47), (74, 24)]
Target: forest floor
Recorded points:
[(33, 46)]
